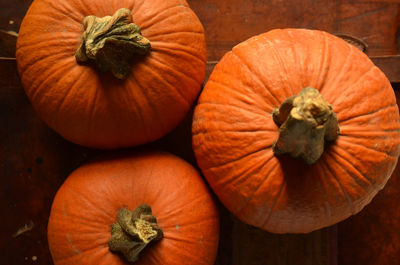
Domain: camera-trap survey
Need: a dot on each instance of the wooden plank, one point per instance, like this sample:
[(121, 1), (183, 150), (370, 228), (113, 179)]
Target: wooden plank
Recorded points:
[(390, 65), (254, 246), (34, 161), (228, 23), (33, 167), (8, 40)]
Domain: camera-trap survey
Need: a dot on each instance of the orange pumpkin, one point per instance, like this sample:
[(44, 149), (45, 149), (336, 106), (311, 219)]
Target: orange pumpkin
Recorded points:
[(155, 51), (257, 111), (87, 209)]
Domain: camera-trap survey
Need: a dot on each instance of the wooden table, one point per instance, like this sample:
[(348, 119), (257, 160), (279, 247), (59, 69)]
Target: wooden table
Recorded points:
[(34, 160)]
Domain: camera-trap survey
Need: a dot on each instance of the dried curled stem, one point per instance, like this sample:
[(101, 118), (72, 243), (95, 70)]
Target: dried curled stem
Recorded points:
[(306, 121), (133, 231), (111, 42)]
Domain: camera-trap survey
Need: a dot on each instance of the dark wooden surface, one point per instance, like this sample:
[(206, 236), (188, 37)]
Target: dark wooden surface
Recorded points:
[(34, 160)]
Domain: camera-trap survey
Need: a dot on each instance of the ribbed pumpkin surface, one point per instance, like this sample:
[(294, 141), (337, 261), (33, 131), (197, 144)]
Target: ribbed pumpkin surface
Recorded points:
[(86, 206), (95, 109), (233, 131)]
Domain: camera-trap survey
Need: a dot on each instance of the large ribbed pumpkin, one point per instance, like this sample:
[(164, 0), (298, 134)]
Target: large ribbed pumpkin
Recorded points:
[(245, 148), (161, 58), (88, 204)]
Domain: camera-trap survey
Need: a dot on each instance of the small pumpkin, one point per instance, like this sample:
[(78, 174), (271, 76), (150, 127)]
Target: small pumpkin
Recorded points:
[(296, 130), (111, 209), (110, 74)]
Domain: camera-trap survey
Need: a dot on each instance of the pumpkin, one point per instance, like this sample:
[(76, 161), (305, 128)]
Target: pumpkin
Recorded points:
[(296, 130), (110, 209), (111, 74)]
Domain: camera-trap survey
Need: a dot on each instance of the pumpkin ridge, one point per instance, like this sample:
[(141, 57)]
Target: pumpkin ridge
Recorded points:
[(368, 148), (172, 33), (392, 152), (171, 69), (226, 162), (255, 130), (378, 134), (365, 74), (186, 206), (49, 41), (68, 260), (180, 239), (388, 156), (33, 64), (368, 193), (351, 170), (80, 220), (357, 174), (338, 76), (138, 110), (361, 77), (219, 181), (186, 253), (256, 77), (274, 203), (249, 102), (92, 113), (159, 13), (85, 198), (233, 107), (296, 61), (62, 101), (236, 159), (59, 7), (173, 226), (229, 129), (323, 191), (161, 47), (169, 85), (254, 103), (323, 69), (244, 178), (267, 175), (160, 58), (367, 114), (245, 174), (300, 63), (94, 246), (43, 83), (149, 102), (328, 171), (135, 7), (282, 67)]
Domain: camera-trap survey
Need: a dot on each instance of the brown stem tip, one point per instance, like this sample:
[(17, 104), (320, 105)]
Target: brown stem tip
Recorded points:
[(306, 121), (111, 42), (133, 231)]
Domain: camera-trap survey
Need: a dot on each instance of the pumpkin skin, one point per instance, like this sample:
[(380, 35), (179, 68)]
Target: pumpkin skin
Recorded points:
[(86, 206), (233, 131), (95, 109)]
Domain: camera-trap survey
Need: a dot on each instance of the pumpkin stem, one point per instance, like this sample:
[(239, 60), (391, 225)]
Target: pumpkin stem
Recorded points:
[(112, 41), (133, 231), (306, 121)]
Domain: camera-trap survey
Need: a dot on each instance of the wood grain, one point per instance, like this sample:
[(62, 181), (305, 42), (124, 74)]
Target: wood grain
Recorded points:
[(34, 160), (229, 22)]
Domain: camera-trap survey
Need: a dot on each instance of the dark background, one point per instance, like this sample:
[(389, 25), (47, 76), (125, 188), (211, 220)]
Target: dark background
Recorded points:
[(34, 160)]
